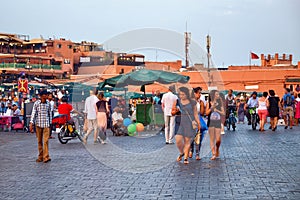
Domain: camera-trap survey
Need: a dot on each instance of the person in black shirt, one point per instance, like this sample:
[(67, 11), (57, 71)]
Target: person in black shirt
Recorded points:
[(273, 109)]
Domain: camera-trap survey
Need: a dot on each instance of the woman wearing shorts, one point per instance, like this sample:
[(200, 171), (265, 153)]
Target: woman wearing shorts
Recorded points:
[(214, 111), (263, 105)]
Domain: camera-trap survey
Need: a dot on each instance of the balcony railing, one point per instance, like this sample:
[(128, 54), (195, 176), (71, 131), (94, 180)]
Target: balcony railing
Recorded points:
[(33, 66)]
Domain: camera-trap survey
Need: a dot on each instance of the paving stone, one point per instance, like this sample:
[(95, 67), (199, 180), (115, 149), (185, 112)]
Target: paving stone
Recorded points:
[(252, 165)]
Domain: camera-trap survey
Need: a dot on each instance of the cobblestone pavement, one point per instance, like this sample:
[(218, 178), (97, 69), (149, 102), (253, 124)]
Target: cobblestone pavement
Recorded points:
[(252, 165)]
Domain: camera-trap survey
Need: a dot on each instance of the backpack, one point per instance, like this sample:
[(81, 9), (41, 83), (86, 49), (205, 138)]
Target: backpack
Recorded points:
[(288, 100)]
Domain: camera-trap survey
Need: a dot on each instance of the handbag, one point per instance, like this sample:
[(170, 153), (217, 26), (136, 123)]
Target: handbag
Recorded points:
[(194, 123), (197, 137), (85, 125), (175, 110), (203, 124)]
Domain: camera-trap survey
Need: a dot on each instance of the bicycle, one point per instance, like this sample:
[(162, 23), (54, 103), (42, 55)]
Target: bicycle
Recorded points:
[(67, 130), (231, 120), (253, 117)]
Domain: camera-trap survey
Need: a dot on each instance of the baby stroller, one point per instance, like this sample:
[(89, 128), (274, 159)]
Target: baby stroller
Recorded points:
[(67, 130)]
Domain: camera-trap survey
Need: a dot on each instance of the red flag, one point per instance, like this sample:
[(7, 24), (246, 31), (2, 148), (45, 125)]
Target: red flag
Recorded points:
[(254, 56)]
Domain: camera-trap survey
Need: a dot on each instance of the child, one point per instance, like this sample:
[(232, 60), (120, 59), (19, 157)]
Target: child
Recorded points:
[(240, 110)]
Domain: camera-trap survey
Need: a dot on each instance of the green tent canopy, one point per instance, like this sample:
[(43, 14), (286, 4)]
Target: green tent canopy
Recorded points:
[(144, 77)]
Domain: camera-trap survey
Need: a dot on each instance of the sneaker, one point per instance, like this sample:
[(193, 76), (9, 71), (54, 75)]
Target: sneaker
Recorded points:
[(222, 132), (95, 142), (99, 139), (103, 142), (285, 127)]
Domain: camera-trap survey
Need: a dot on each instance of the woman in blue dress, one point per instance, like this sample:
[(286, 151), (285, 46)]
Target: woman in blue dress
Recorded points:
[(184, 129)]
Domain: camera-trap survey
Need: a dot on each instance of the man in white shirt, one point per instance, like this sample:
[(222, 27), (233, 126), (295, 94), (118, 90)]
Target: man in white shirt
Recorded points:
[(91, 117), (117, 118), (167, 102), (117, 122), (16, 110), (202, 97), (52, 106), (9, 111)]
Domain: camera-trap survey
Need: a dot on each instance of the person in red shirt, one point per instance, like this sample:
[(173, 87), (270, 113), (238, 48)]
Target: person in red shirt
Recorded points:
[(65, 109)]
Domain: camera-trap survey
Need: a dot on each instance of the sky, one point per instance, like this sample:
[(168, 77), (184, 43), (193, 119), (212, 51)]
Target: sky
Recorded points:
[(236, 27)]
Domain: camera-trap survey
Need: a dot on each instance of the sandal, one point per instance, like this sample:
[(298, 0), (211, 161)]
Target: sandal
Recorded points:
[(213, 157), (179, 158), (190, 154), (218, 152), (198, 157), (186, 161)]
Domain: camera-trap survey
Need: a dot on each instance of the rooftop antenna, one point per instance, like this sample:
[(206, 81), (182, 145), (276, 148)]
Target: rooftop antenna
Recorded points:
[(187, 36), (208, 57)]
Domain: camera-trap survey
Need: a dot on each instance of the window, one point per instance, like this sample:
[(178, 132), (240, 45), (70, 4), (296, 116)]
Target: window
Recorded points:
[(58, 46), (49, 44), (66, 61), (70, 46)]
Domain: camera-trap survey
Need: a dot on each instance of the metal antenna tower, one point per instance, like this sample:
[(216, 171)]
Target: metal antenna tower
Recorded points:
[(187, 36)]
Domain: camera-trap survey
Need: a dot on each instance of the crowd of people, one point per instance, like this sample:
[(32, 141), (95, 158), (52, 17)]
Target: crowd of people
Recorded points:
[(189, 107), (186, 113)]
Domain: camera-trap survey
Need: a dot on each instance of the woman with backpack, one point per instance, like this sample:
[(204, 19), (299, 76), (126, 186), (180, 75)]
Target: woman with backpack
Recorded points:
[(287, 104)]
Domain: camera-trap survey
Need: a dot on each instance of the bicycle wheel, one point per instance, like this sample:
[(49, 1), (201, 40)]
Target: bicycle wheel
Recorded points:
[(228, 124), (253, 122), (61, 135), (79, 135), (233, 126)]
